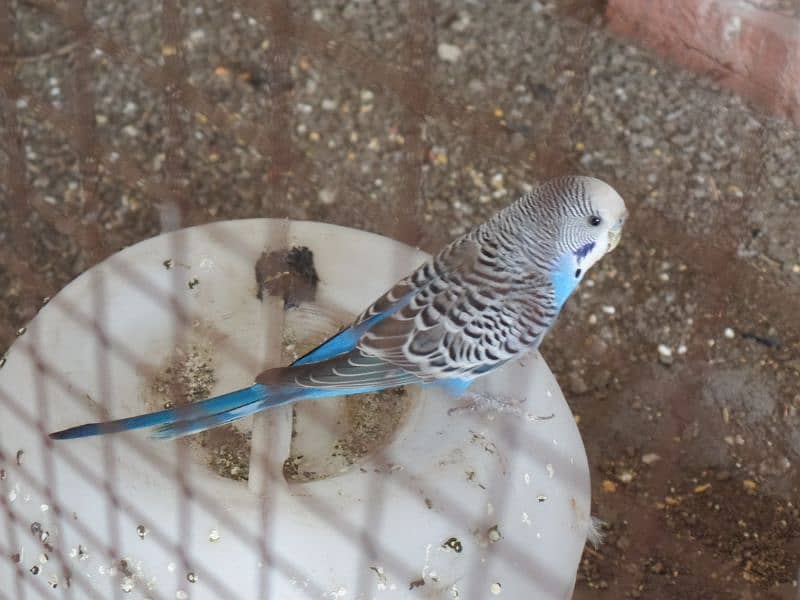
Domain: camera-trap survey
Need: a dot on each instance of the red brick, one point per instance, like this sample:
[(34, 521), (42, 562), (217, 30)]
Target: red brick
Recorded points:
[(754, 51)]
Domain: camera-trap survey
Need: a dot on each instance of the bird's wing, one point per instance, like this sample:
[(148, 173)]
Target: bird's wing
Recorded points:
[(467, 316), (460, 252)]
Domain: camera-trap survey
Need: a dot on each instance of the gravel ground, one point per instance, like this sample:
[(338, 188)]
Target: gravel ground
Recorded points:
[(681, 353)]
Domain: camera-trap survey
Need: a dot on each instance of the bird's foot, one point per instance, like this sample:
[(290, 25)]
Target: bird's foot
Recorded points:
[(483, 402)]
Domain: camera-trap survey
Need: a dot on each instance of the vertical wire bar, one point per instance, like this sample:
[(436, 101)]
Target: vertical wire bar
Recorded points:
[(50, 482), (15, 173), (174, 209), (281, 27), (105, 390), (277, 426), (85, 132), (172, 212), (418, 53), (13, 540), (16, 177)]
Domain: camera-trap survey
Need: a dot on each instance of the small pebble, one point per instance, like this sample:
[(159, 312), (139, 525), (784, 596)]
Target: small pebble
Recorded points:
[(449, 52), (729, 333), (327, 196), (650, 458), (665, 354), (625, 477)]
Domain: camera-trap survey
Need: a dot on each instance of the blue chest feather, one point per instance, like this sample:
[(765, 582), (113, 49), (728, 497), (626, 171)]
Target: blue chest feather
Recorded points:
[(564, 279)]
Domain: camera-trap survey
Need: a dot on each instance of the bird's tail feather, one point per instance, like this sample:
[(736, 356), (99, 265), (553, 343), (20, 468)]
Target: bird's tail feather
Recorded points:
[(191, 418), (184, 427)]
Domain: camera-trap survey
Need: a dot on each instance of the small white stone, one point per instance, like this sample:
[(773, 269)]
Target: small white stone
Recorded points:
[(449, 52), (327, 196), (729, 333), (496, 588), (609, 310), (650, 458), (664, 354)]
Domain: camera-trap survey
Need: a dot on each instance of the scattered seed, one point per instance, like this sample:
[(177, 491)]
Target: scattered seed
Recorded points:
[(609, 486), (494, 534)]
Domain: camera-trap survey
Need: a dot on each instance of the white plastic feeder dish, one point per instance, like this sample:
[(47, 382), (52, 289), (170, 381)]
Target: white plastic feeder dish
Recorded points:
[(464, 503)]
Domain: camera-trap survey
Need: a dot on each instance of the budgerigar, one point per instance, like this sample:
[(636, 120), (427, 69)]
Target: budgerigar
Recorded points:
[(485, 299)]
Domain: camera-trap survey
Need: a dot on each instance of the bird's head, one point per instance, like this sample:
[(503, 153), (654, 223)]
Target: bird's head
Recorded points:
[(571, 223), (590, 219)]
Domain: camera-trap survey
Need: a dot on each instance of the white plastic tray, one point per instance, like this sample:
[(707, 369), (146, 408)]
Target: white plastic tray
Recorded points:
[(464, 504)]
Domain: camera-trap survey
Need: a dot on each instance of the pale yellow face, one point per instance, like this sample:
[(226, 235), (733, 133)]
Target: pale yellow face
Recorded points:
[(610, 207)]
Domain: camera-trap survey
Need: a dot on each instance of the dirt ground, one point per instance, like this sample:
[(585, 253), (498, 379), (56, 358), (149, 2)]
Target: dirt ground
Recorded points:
[(680, 354)]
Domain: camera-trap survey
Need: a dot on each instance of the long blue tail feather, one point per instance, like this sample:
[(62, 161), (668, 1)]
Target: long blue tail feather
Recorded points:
[(182, 428), (190, 412)]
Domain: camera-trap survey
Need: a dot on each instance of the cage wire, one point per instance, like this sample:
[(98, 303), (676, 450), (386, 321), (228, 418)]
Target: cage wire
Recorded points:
[(416, 120)]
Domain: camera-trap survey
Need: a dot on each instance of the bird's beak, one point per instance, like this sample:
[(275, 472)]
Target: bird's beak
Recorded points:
[(614, 235)]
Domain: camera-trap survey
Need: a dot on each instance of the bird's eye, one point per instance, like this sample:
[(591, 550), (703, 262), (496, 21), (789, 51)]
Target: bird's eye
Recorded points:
[(594, 220)]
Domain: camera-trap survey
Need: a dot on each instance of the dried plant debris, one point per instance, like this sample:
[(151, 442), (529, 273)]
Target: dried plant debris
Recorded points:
[(756, 535), (369, 422), (372, 421), (290, 275), (187, 377), (228, 450)]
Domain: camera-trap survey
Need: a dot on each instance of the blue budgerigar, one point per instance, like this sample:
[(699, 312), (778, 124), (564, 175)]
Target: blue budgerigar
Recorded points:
[(485, 299)]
